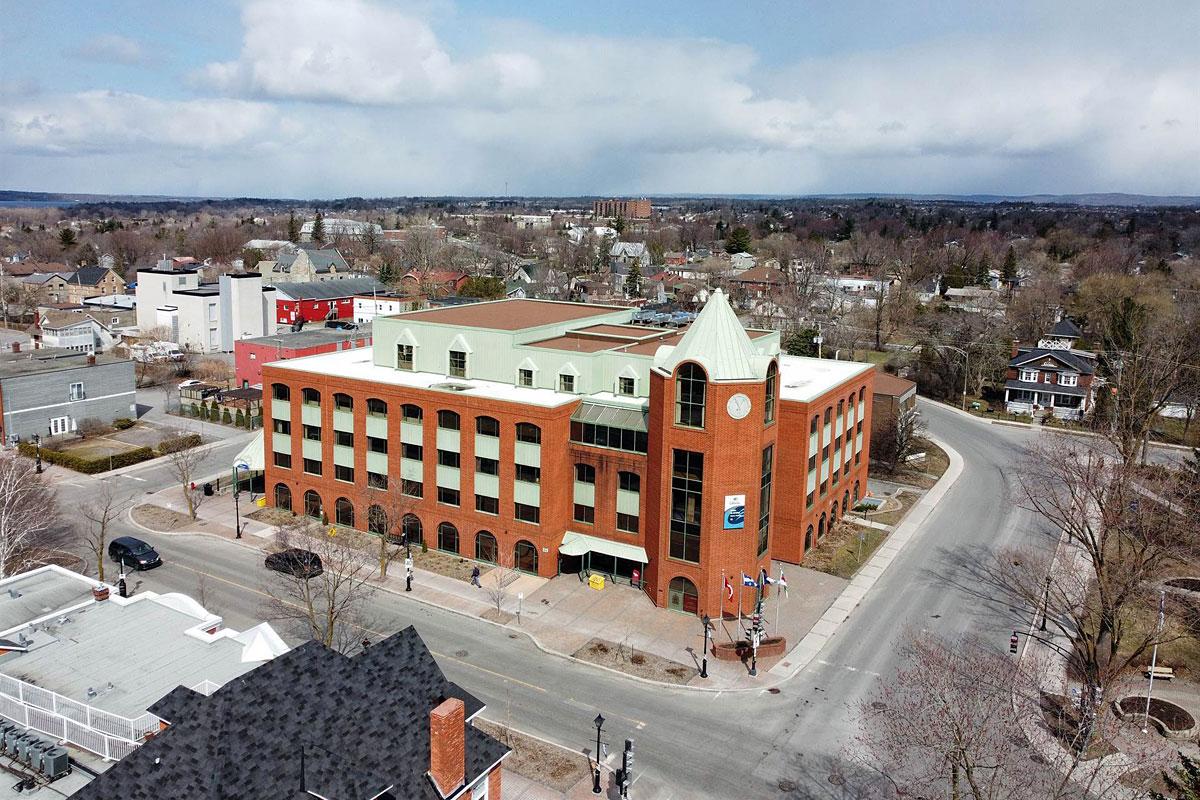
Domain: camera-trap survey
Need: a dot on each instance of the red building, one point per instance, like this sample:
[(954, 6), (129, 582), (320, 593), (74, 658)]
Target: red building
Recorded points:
[(317, 301), (559, 437), (249, 355)]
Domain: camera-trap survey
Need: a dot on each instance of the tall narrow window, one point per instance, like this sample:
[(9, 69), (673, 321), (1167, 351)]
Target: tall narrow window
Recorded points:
[(687, 482), (690, 387), (404, 357), (529, 433), (458, 364), (772, 388), (448, 420), (764, 500)]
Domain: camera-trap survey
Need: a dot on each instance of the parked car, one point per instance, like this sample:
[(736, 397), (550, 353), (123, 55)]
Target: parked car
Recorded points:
[(341, 325), (190, 382), (295, 562), (133, 553)]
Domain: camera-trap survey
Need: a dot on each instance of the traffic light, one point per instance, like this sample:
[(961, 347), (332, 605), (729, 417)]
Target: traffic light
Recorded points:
[(1012, 643)]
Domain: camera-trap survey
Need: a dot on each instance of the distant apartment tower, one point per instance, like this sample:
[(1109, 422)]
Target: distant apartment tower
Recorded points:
[(629, 209)]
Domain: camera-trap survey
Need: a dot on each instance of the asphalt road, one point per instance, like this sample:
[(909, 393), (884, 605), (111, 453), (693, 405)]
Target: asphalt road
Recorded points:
[(690, 744)]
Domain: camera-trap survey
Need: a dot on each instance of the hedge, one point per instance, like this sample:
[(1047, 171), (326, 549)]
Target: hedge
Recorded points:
[(88, 466), (188, 440), (123, 423)]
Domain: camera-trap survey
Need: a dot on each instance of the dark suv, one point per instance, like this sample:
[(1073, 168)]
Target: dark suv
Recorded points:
[(133, 553), (296, 562)]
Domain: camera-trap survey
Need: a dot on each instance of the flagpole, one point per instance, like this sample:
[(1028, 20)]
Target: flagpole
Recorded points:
[(778, 601), (741, 586)]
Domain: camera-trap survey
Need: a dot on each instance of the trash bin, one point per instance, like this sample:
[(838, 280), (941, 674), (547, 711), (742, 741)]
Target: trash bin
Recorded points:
[(208, 490)]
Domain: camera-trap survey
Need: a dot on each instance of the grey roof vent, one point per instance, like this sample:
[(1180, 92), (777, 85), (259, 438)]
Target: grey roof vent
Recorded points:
[(450, 387)]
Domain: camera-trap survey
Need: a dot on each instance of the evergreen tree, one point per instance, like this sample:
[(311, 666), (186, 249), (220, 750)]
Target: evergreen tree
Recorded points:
[(293, 229), (800, 342), (318, 231), (982, 268), (618, 225), (1008, 273), (633, 281), (1183, 782), (739, 240), (387, 273), (66, 238)]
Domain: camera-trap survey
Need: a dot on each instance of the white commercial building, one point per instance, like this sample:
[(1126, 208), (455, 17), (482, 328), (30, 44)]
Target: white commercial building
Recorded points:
[(205, 318)]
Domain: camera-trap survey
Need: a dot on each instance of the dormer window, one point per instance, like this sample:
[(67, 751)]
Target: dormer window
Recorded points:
[(404, 357), (525, 377), (625, 386), (1029, 375), (566, 383), (458, 364), (1068, 379)]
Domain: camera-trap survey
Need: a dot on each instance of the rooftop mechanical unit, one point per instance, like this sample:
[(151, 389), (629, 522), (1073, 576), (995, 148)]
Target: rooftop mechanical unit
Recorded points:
[(56, 762)]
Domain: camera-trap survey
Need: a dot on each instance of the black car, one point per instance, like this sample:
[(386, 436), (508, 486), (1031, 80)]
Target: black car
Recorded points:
[(296, 562), (133, 553), (341, 325)]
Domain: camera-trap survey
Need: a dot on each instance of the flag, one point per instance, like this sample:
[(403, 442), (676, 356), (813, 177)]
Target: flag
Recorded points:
[(764, 578), (782, 581), (728, 589), (748, 581)]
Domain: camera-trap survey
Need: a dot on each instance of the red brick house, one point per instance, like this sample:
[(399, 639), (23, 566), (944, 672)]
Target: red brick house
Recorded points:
[(1052, 377), (317, 301)]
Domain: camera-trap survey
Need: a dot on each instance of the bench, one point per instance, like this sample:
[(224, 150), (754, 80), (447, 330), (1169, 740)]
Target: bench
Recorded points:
[(1160, 673)]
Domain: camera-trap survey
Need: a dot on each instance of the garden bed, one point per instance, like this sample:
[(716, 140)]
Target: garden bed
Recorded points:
[(165, 520), (840, 554), (541, 762), (1171, 720), (635, 662)]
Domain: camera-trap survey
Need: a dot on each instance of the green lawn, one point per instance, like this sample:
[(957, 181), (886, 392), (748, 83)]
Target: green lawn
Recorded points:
[(841, 553)]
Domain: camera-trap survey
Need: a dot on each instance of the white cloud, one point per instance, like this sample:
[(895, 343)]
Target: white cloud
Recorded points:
[(111, 48)]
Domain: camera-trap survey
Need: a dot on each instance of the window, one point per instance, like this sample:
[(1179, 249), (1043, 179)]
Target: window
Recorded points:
[(690, 387), (812, 462), (487, 466), (280, 391), (376, 407), (343, 473), (1029, 375), (585, 514), (605, 436), (343, 402), (312, 504), (404, 357), (525, 377), (627, 523), (529, 433), (525, 556), (527, 513), (458, 364), (825, 454), (682, 596), (311, 397), (448, 420), (487, 426), (485, 547), (828, 415), (76, 391), (447, 497), (413, 451), (1068, 379), (566, 383), (343, 512), (283, 497), (529, 474), (764, 499), (312, 432), (377, 520), (841, 408), (376, 444), (410, 413), (487, 505), (312, 466), (343, 438), (283, 460), (585, 473), (812, 428), (626, 386), (447, 538), (281, 426), (687, 481), (412, 488), (410, 528), (447, 458), (808, 502), (629, 482), (772, 389), (377, 480)]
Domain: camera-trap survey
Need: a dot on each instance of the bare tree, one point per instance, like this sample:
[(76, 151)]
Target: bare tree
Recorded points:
[(330, 607), (390, 528), (99, 514), (499, 579), (183, 464), (29, 524), (894, 437)]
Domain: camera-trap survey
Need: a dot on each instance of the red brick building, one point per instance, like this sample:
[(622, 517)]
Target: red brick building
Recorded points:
[(249, 355), (560, 437), (628, 209), (317, 301)]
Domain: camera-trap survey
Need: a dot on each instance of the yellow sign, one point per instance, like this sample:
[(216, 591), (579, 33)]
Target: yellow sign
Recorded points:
[(596, 582), (261, 502)]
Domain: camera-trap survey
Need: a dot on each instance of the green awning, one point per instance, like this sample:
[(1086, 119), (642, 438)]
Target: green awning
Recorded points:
[(252, 458), (576, 544)]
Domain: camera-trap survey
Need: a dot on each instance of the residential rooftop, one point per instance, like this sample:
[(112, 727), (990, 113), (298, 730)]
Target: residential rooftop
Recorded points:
[(312, 335), (327, 290), (49, 359)]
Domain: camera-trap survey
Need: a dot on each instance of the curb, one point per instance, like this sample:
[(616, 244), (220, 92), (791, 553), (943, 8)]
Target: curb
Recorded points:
[(808, 648)]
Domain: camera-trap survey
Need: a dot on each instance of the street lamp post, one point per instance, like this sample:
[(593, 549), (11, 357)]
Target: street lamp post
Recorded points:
[(599, 722), (37, 444), (1046, 603), (704, 660)]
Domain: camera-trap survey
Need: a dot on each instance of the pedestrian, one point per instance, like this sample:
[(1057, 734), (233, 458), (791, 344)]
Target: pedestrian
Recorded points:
[(475, 577)]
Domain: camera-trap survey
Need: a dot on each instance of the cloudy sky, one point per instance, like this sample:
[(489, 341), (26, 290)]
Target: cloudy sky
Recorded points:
[(326, 98)]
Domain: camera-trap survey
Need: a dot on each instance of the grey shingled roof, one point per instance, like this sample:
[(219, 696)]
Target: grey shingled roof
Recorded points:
[(1066, 357), (1065, 327), (321, 259), (326, 290), (353, 726)]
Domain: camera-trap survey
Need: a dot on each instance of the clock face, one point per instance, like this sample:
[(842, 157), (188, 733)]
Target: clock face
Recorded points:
[(738, 406)]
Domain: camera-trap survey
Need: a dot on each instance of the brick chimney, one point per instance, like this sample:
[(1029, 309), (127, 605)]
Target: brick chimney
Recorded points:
[(447, 745), (91, 359), (16, 347), (1016, 346)]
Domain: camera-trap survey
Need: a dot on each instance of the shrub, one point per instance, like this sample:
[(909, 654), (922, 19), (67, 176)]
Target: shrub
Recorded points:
[(195, 409), (177, 443), (226, 417), (123, 423), (240, 420)]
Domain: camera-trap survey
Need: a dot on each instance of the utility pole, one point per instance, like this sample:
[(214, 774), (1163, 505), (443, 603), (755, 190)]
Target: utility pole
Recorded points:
[(1162, 601), (818, 339)]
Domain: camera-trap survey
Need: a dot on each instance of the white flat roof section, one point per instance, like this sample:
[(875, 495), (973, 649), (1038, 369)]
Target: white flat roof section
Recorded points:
[(805, 379), (38, 593), (359, 365)]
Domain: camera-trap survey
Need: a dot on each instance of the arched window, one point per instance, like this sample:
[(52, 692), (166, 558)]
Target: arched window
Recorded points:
[(529, 433), (448, 420), (311, 397), (487, 426), (447, 538), (343, 512), (312, 504), (690, 387), (525, 556), (821, 528), (377, 521), (812, 428), (280, 391), (485, 547), (343, 402), (772, 388), (846, 501), (283, 497), (808, 539), (410, 529), (376, 407), (833, 514), (681, 595), (410, 413), (856, 492)]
